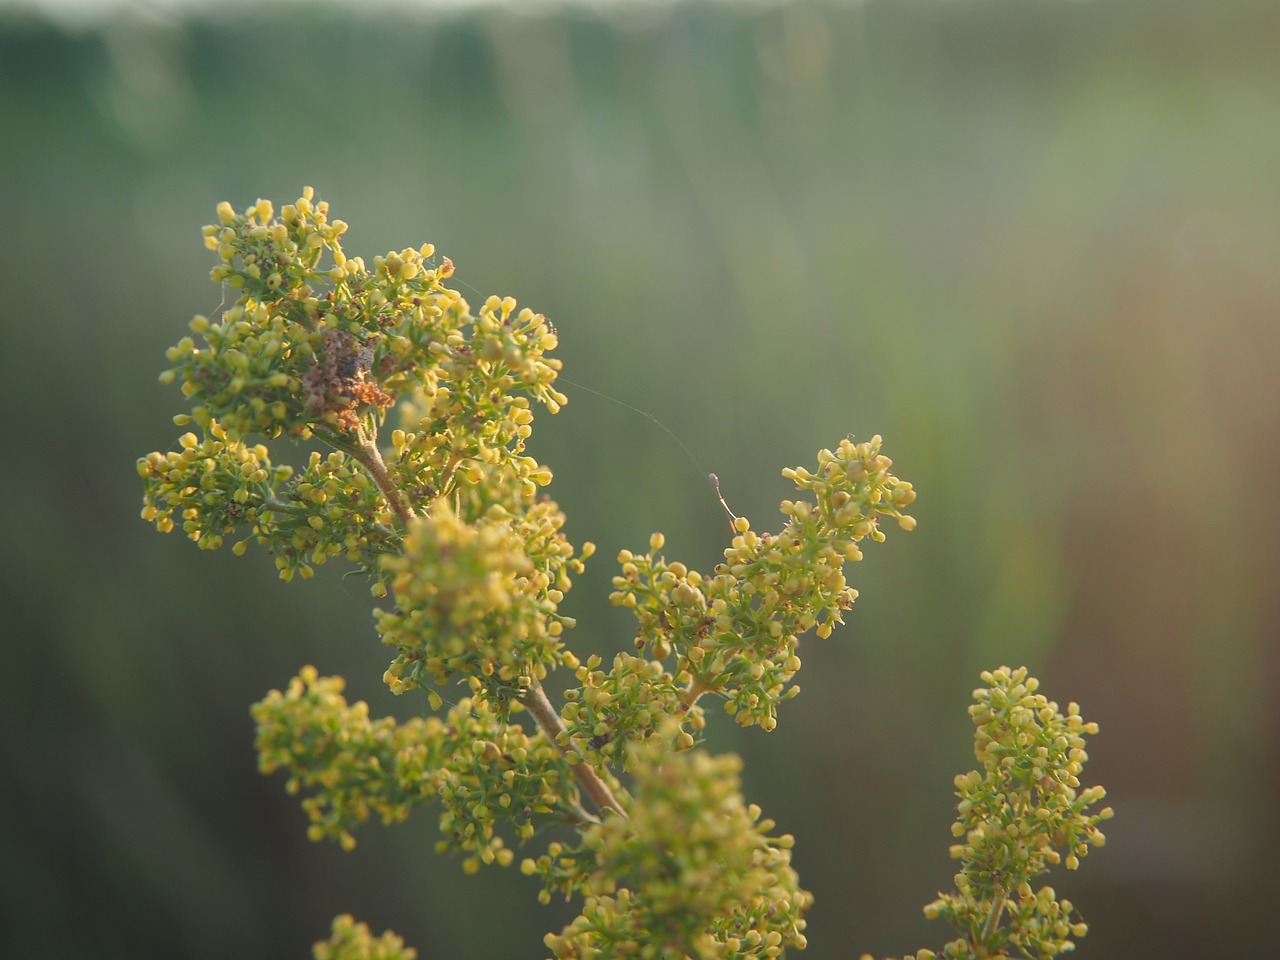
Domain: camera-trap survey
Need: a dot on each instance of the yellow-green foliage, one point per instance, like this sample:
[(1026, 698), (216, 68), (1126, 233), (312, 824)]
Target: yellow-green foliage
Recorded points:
[(484, 769), (450, 521), (1017, 817), (353, 941), (478, 599), (735, 633), (691, 872)]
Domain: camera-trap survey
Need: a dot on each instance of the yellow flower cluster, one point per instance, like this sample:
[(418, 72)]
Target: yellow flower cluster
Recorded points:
[(497, 772), (219, 487), (304, 346), (214, 486), (482, 768), (329, 509), (692, 872), (629, 702), (478, 599), (1016, 819), (319, 344), (451, 520), (356, 766), (353, 941), (465, 425), (506, 351), (736, 633)]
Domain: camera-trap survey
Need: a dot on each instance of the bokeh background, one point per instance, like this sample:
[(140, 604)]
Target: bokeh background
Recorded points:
[(1033, 244)]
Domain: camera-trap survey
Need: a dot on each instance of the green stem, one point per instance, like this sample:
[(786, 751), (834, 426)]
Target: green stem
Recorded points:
[(577, 815), (280, 506), (993, 918)]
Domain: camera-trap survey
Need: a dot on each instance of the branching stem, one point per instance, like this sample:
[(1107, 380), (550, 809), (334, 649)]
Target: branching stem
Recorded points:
[(696, 688), (367, 453), (535, 700)]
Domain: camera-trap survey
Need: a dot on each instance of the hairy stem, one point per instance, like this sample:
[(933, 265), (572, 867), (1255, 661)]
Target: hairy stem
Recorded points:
[(535, 700), (694, 691), (280, 506), (370, 457)]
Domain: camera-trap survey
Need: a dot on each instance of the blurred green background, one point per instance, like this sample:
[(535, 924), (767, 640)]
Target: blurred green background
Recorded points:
[(1033, 244)]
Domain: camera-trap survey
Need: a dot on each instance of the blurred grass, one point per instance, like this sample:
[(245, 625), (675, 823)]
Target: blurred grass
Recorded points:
[(1033, 244)]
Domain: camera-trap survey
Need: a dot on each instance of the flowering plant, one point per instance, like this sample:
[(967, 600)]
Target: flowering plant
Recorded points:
[(450, 522)]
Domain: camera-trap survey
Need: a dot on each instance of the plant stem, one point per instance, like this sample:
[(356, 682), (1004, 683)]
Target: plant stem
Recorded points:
[(993, 918), (691, 694), (365, 450), (280, 506), (535, 700), (367, 453)]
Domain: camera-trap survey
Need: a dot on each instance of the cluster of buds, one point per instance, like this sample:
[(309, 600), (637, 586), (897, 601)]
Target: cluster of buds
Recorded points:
[(321, 345), (691, 872), (214, 486), (451, 524), (631, 702), (479, 599), (485, 770), (1018, 816), (353, 941), (735, 634), (310, 325), (219, 487)]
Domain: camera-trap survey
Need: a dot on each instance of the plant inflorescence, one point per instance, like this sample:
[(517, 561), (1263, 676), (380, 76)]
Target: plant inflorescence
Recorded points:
[(450, 522), (1017, 817)]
